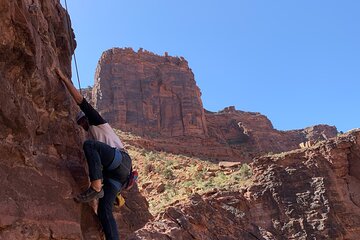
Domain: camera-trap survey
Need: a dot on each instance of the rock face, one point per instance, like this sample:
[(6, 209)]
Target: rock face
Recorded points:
[(157, 97), (311, 193), (134, 214), (42, 164), (148, 94), (237, 136), (40, 148), (252, 134)]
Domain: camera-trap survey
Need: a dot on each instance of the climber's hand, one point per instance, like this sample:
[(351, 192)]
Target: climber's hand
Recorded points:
[(68, 84)]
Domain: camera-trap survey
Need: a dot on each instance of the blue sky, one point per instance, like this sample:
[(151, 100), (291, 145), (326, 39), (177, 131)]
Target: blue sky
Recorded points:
[(295, 61)]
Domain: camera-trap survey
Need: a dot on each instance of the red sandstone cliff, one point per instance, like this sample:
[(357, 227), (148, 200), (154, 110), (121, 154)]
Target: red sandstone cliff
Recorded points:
[(252, 134), (40, 148), (311, 193), (308, 193), (42, 164), (148, 94), (157, 97)]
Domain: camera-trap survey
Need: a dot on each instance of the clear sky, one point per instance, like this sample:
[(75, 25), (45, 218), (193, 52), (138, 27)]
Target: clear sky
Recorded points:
[(295, 61)]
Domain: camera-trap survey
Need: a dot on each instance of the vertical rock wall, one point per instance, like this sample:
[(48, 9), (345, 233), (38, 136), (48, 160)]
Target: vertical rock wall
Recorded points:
[(40, 148), (41, 160), (148, 94)]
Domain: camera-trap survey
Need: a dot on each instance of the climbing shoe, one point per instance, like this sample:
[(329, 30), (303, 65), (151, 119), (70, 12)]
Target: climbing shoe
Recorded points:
[(89, 195)]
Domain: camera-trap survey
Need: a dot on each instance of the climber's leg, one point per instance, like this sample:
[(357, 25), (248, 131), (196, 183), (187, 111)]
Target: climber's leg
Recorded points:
[(98, 155), (105, 214)]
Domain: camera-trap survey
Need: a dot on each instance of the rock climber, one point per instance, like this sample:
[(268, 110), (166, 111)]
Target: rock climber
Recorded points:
[(108, 162)]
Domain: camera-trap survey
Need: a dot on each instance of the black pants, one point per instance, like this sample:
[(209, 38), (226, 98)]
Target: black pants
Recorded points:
[(99, 157)]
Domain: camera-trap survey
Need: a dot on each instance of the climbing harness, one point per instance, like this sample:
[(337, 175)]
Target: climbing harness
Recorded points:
[(71, 46)]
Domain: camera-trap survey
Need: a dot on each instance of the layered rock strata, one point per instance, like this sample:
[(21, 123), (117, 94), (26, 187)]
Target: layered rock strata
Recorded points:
[(251, 134), (40, 148), (237, 136), (148, 94), (312, 193), (41, 160), (156, 97)]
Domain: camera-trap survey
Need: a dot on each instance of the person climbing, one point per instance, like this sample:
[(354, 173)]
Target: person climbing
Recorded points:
[(108, 162)]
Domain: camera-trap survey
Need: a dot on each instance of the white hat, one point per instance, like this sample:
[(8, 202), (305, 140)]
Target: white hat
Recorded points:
[(79, 116)]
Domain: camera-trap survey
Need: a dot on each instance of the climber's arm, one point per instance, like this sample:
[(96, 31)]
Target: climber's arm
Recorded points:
[(73, 91)]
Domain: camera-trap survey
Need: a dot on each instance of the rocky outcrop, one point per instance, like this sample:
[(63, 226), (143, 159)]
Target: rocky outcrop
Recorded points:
[(237, 136), (40, 146), (251, 134), (42, 164), (134, 214), (156, 97), (148, 94), (311, 193)]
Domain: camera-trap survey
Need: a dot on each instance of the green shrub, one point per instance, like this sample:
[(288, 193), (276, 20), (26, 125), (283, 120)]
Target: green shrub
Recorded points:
[(148, 168), (151, 156), (245, 171), (168, 174)]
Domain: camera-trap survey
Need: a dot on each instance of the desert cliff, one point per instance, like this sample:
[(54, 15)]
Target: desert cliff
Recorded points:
[(157, 97), (310, 193), (42, 164), (300, 184)]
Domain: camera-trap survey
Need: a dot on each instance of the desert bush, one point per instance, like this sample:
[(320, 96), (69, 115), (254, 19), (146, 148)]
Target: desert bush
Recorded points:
[(151, 156), (245, 171), (148, 168), (168, 174)]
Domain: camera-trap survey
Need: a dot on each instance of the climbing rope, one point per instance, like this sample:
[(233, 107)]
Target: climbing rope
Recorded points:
[(71, 45)]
